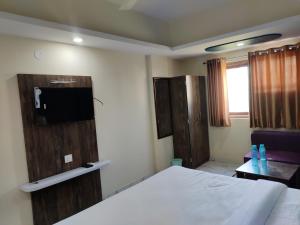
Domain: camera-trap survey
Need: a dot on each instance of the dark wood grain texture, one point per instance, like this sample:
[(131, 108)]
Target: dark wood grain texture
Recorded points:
[(46, 147), (181, 135), (269, 170), (189, 116), (68, 198), (197, 107), (162, 107)]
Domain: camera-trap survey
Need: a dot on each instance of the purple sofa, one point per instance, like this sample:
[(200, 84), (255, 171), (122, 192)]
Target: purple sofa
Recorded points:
[(281, 146)]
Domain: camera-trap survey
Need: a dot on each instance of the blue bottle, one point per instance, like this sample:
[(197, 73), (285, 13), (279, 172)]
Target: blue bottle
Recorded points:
[(264, 167), (262, 152), (254, 153)]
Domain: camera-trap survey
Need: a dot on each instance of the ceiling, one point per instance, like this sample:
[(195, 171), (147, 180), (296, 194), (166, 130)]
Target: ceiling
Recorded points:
[(11, 24), (97, 15), (166, 22), (169, 10), (176, 28)]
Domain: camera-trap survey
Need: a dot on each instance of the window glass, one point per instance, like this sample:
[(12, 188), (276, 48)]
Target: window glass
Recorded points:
[(238, 89)]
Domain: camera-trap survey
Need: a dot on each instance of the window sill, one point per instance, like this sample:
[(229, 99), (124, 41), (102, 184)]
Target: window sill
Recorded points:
[(241, 115)]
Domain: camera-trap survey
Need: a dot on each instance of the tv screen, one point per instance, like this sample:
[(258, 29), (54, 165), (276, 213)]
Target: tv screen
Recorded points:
[(56, 105)]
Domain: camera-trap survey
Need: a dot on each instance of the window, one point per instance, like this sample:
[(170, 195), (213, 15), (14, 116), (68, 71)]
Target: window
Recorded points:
[(238, 90)]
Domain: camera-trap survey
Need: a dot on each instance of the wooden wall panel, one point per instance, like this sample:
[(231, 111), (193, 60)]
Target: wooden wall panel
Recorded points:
[(162, 107), (181, 134), (198, 124), (189, 115), (63, 200), (46, 147)]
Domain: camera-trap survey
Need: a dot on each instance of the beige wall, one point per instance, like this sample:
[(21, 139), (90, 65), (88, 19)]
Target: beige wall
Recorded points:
[(124, 128), (163, 148), (232, 16), (230, 144), (226, 144)]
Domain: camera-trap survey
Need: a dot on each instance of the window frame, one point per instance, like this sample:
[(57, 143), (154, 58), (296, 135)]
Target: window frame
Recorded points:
[(233, 65)]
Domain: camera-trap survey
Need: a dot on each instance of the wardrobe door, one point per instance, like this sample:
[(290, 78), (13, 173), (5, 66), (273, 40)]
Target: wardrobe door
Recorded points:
[(162, 107), (198, 128), (204, 121), (181, 134)]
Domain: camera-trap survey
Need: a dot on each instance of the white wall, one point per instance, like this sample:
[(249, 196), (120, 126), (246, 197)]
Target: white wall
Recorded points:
[(163, 148), (124, 129)]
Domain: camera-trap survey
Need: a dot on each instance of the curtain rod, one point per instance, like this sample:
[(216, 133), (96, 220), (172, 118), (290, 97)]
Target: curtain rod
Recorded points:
[(275, 49), (236, 57), (289, 47)]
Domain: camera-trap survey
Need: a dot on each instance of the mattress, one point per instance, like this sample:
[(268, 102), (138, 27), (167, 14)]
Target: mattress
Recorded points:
[(180, 196), (287, 209)]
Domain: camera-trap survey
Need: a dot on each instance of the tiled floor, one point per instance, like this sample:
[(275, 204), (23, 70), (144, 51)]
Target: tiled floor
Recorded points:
[(227, 169)]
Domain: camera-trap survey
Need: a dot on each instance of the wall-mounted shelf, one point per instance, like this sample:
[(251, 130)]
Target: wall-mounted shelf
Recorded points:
[(50, 181)]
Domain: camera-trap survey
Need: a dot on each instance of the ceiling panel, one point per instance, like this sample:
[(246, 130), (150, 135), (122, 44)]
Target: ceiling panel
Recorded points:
[(173, 9), (15, 25)]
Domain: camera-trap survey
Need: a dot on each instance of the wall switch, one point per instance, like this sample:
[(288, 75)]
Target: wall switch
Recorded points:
[(68, 158)]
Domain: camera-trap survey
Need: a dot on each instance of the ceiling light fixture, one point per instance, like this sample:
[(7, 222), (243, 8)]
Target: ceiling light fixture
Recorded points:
[(77, 40), (244, 42)]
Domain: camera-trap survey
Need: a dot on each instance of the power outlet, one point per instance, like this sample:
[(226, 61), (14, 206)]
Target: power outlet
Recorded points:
[(68, 158)]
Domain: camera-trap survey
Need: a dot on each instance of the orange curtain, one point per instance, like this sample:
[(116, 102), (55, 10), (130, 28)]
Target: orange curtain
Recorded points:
[(275, 87), (217, 93)]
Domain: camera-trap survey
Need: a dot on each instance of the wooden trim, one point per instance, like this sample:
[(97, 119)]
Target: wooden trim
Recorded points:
[(231, 65), (239, 114), (161, 126)]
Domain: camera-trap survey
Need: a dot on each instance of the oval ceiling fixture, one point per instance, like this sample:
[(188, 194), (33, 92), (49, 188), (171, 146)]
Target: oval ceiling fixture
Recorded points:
[(77, 40), (244, 42)]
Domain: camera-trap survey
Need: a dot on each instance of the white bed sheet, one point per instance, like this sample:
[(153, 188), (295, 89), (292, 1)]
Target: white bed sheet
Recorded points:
[(287, 209), (257, 204), (179, 196)]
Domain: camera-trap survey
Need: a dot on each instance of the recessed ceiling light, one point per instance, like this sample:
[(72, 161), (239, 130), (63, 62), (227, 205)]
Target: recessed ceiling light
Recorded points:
[(77, 39), (244, 42)]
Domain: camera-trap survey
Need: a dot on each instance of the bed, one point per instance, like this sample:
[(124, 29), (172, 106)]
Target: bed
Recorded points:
[(180, 196)]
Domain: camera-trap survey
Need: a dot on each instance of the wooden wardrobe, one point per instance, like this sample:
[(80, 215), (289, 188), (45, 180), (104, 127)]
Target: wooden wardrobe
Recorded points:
[(189, 118)]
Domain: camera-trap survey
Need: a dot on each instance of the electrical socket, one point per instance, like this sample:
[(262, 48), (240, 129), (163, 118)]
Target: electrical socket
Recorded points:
[(68, 158)]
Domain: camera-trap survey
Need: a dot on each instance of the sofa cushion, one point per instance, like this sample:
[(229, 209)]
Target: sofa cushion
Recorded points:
[(277, 140), (279, 156)]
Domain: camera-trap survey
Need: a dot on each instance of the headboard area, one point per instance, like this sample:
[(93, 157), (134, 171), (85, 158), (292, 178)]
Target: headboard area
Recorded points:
[(47, 146)]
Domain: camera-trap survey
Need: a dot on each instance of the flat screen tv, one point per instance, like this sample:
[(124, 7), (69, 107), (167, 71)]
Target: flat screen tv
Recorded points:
[(57, 105)]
